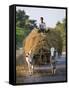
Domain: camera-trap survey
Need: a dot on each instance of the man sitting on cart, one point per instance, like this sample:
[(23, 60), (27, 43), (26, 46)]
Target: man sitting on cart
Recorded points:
[(42, 26)]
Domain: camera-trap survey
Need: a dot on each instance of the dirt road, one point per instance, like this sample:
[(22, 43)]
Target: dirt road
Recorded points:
[(45, 74)]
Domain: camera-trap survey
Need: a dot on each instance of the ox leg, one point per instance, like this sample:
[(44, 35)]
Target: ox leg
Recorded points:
[(32, 68), (29, 67), (52, 68), (51, 64)]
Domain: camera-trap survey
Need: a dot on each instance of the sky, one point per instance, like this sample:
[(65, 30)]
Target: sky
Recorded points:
[(51, 16)]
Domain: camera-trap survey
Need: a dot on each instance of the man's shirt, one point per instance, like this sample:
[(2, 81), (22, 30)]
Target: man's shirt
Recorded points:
[(42, 26)]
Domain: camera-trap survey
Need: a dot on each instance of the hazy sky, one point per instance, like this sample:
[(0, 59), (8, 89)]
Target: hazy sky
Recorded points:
[(51, 16)]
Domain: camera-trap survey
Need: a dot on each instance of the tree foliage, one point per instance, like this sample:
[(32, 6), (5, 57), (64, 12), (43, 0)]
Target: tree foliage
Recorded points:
[(61, 27), (23, 27)]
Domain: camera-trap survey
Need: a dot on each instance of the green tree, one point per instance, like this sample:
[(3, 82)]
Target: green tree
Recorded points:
[(21, 18), (22, 26), (61, 27)]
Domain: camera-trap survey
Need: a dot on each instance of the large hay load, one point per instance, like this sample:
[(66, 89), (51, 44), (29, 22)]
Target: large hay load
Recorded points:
[(40, 44)]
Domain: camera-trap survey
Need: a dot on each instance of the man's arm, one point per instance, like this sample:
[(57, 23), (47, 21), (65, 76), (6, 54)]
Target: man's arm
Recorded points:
[(39, 26)]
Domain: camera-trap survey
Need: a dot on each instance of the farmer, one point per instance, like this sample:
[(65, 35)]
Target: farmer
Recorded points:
[(42, 25), (53, 61)]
